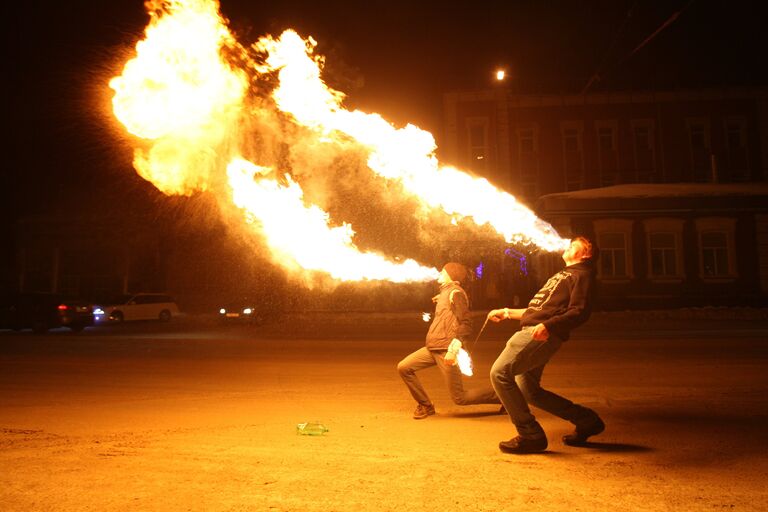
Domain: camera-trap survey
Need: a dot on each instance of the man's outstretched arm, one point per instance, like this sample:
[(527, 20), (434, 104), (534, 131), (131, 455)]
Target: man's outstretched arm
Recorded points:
[(497, 315)]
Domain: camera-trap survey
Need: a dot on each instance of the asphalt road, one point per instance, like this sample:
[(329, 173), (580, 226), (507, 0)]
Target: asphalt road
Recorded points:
[(194, 415)]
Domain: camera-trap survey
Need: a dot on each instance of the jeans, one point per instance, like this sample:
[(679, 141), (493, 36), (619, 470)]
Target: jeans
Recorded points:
[(516, 377), (424, 358)]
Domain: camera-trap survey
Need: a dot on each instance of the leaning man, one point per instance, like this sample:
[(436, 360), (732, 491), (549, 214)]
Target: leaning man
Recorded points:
[(564, 303)]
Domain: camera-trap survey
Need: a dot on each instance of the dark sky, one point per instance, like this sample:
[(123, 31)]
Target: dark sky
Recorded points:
[(396, 57)]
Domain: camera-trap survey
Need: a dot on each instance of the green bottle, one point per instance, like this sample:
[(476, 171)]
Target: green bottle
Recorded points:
[(311, 429)]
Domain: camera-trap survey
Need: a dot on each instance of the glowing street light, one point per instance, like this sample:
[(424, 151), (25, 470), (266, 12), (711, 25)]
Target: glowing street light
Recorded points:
[(500, 75)]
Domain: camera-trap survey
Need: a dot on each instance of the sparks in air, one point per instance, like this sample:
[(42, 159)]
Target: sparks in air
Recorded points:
[(201, 125)]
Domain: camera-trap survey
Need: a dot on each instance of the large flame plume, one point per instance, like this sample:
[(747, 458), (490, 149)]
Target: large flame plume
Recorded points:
[(201, 124)]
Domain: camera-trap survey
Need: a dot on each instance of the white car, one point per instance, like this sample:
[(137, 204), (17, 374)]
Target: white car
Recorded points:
[(142, 306)]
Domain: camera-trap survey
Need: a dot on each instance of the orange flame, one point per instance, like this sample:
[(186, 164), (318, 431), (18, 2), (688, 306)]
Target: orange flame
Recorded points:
[(187, 105), (300, 234), (405, 154), (180, 95)]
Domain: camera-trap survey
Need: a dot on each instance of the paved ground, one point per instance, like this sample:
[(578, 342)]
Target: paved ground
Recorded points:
[(193, 416)]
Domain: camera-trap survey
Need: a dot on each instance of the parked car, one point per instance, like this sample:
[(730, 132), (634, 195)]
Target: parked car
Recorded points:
[(43, 311), (141, 306)]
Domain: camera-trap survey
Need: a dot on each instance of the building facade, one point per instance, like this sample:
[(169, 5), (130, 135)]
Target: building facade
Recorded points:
[(676, 245), (532, 145)]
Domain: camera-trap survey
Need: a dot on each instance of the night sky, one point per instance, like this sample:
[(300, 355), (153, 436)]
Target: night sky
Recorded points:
[(395, 57)]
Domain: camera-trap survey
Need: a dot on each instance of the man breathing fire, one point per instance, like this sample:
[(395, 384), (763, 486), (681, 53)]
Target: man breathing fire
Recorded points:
[(564, 303)]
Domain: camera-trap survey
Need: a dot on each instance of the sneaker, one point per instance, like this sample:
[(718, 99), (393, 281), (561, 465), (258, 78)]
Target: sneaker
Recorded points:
[(523, 445), (422, 411), (580, 435)]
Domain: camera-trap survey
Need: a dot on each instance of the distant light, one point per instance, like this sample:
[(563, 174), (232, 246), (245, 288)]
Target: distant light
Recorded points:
[(222, 311), (247, 311), (500, 75), (98, 311)]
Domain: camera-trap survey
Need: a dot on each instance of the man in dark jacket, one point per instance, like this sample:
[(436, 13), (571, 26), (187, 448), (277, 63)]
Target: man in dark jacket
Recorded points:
[(451, 321), (564, 303)]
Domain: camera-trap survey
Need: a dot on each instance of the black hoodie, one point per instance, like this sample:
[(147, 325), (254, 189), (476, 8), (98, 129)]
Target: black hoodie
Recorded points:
[(564, 302)]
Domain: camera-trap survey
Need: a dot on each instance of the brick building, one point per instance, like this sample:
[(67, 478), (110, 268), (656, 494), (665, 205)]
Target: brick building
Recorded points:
[(532, 145), (672, 185)]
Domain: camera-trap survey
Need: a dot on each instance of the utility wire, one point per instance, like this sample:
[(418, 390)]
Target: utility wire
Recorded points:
[(597, 77)]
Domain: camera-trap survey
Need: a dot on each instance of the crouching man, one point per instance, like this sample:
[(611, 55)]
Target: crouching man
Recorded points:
[(564, 303), (451, 321)]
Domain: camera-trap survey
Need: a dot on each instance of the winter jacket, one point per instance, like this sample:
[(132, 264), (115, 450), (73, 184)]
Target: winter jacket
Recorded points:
[(451, 317), (564, 302)]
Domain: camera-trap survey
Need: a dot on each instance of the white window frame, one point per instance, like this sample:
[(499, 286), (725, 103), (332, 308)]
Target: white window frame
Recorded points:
[(623, 226), (669, 226), (724, 225)]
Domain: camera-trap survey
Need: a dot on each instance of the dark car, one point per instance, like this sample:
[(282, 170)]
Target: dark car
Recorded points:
[(43, 311), (249, 310), (243, 310)]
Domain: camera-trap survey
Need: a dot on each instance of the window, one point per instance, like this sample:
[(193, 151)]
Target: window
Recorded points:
[(664, 241), (644, 150), (570, 140), (607, 154), (614, 238), (663, 257), (528, 162), (573, 159), (737, 156), (701, 154), (605, 138), (477, 130), (613, 255), (716, 248), (714, 254)]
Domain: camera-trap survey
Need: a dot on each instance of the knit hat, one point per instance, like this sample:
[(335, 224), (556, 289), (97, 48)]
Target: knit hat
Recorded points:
[(456, 271)]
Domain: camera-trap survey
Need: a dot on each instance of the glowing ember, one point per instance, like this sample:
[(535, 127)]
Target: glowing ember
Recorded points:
[(426, 317)]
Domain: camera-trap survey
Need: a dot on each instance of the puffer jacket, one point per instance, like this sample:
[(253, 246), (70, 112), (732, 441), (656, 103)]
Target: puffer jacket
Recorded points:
[(451, 318)]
